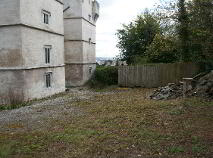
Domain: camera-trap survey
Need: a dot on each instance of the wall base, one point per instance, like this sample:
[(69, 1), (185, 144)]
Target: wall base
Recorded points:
[(18, 86)]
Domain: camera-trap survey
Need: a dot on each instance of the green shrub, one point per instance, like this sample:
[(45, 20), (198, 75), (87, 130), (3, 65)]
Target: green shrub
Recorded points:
[(104, 76)]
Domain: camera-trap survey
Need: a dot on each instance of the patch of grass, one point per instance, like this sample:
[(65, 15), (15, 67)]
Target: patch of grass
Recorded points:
[(105, 89), (176, 111), (195, 140), (122, 125), (176, 149), (74, 135), (196, 102), (6, 149), (198, 148)]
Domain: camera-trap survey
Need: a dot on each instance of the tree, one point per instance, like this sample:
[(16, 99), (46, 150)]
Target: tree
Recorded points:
[(183, 31), (135, 37), (201, 27), (176, 31), (166, 12), (162, 50)]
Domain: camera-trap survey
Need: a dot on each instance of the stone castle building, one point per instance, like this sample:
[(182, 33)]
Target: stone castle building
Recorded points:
[(80, 41), (32, 59)]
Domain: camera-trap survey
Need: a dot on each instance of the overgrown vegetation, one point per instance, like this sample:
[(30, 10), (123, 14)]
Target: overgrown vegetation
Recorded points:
[(104, 76), (175, 31), (121, 124), (13, 106)]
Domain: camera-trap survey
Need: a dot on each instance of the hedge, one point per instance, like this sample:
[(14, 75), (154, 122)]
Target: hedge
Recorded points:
[(104, 76)]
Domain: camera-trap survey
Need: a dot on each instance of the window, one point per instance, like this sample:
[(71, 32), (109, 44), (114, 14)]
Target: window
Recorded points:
[(90, 70), (89, 17), (48, 80), (46, 17), (47, 50)]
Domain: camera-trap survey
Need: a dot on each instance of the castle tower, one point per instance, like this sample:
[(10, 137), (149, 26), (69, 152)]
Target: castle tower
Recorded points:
[(31, 49), (80, 18)]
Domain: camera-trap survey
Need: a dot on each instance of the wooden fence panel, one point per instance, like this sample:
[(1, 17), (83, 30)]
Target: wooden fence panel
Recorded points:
[(155, 75)]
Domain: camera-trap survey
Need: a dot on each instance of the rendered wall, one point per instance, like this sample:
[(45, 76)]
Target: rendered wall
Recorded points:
[(10, 47), (78, 74), (23, 85), (31, 14), (9, 12), (22, 56), (35, 82), (33, 42), (80, 40), (12, 85)]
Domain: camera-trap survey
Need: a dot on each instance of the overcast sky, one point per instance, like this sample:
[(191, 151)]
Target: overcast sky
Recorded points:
[(113, 13)]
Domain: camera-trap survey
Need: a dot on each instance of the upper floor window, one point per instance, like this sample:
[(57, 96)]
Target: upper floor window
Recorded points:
[(46, 17), (89, 17), (47, 50)]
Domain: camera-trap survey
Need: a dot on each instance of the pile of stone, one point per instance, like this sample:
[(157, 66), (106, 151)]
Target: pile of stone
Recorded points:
[(202, 87), (171, 91)]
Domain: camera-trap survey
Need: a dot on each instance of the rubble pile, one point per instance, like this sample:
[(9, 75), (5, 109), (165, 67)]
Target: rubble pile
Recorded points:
[(203, 87), (171, 91)]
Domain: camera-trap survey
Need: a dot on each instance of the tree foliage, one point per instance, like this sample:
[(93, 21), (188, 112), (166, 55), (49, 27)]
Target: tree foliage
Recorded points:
[(183, 30), (135, 37), (201, 29), (176, 31), (162, 50)]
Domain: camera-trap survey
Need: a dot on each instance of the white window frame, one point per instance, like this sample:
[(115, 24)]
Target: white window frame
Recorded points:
[(47, 54), (48, 79), (46, 17)]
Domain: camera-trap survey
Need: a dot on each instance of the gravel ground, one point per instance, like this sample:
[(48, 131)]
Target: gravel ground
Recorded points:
[(36, 115)]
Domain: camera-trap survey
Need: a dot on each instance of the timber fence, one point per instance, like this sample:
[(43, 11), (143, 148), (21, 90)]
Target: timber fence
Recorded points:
[(155, 75)]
